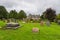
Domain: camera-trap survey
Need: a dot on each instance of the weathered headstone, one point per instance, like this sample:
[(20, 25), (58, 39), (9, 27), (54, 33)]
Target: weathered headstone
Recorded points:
[(35, 29), (48, 23)]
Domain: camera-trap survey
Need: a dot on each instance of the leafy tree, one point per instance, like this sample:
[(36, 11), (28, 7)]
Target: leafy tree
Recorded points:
[(49, 14), (22, 14), (3, 12), (42, 16), (13, 14)]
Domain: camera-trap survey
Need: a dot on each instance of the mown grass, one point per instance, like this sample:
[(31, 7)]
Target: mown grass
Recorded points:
[(51, 32)]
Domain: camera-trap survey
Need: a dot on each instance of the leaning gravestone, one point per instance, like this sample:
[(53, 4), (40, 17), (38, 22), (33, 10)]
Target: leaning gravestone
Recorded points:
[(48, 23), (59, 22)]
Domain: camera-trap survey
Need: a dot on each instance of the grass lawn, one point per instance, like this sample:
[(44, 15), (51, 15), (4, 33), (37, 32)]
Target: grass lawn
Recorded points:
[(25, 32)]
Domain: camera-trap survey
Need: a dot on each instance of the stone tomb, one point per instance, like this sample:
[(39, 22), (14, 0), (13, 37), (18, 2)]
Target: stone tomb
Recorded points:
[(12, 25)]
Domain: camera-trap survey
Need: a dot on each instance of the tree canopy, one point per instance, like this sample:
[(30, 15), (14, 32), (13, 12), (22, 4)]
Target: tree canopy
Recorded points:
[(3, 12), (13, 14), (21, 14), (50, 14)]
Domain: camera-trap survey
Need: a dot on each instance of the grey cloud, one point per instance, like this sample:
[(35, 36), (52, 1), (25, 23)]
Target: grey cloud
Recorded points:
[(31, 6), (8, 4)]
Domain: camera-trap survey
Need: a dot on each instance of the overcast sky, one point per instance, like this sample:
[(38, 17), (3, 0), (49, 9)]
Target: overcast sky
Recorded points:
[(31, 6)]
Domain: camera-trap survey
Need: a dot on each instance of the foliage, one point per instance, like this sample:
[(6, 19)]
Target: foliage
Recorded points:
[(2, 24), (22, 14), (13, 14), (49, 14), (3, 12)]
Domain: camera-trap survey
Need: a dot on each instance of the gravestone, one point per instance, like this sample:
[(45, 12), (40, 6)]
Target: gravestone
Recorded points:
[(48, 23), (59, 22), (35, 29), (42, 23)]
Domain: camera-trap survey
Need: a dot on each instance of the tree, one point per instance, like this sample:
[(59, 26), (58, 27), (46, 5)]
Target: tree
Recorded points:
[(3, 12), (22, 14), (42, 16), (13, 14), (50, 14)]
